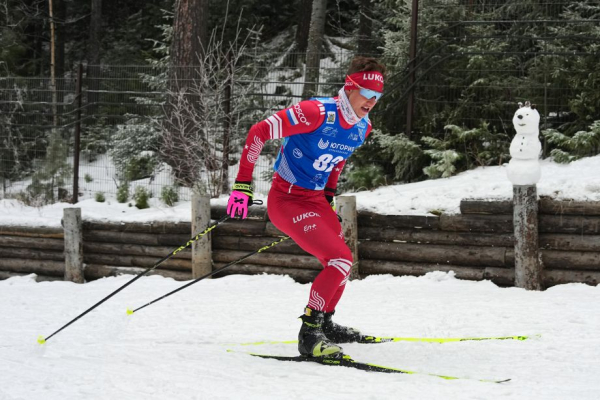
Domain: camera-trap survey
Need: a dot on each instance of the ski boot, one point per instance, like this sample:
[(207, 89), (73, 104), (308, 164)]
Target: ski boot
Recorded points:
[(312, 342), (338, 333)]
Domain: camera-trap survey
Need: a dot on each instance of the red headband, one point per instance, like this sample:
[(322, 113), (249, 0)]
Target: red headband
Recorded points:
[(368, 79)]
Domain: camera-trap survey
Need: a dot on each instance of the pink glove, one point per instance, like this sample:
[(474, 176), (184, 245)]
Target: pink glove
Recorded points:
[(240, 200)]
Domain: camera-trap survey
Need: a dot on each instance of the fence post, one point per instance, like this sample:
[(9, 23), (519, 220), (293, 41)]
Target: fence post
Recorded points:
[(201, 249), (77, 144), (73, 245), (346, 206), (528, 267)]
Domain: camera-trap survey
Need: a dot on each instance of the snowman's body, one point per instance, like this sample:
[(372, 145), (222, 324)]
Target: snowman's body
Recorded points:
[(525, 148)]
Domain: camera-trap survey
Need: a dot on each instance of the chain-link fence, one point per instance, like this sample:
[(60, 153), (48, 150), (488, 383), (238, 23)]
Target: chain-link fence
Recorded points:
[(474, 61), (124, 113)]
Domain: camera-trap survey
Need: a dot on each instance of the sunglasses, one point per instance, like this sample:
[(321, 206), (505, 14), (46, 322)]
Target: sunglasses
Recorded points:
[(367, 93)]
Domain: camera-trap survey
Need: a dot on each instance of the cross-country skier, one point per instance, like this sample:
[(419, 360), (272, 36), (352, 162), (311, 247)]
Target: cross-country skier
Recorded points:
[(319, 135)]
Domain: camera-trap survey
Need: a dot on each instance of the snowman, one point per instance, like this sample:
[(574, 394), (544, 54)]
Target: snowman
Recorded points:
[(525, 148)]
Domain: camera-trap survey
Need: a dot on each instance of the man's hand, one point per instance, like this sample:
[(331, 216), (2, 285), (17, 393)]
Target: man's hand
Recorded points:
[(240, 199)]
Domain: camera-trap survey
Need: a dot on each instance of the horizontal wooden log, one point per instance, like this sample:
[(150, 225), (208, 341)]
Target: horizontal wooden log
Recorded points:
[(272, 259), (436, 237), (548, 205), (476, 223), (582, 225), (585, 260), (442, 254), (271, 230), (558, 277), (34, 232), (134, 250), (559, 241), (148, 239), (136, 261), (96, 271), (34, 254), (589, 225), (140, 227), (30, 266), (244, 227), (254, 212), (38, 278), (500, 276), (297, 274), (249, 244), (32, 243), (370, 219), (486, 206)]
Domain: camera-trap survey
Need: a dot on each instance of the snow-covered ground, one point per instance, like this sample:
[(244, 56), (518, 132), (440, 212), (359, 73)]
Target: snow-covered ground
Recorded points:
[(177, 348)]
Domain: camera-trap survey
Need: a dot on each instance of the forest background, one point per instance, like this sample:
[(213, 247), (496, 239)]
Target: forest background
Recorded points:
[(158, 95)]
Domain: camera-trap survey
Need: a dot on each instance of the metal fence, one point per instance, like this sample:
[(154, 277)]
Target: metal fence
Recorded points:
[(474, 61), (128, 104)]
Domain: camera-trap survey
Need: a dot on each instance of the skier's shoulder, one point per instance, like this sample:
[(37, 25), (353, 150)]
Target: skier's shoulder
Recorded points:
[(307, 112)]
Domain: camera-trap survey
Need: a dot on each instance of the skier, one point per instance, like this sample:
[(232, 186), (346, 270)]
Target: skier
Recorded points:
[(318, 136)]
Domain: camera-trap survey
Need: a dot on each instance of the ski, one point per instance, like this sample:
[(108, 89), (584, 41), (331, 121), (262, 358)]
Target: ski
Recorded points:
[(348, 362), (388, 339)]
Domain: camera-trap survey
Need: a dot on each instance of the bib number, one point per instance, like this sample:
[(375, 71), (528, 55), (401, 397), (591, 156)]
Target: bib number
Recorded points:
[(326, 162)]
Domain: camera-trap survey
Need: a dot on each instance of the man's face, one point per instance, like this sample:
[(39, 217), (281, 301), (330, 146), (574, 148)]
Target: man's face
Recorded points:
[(360, 104)]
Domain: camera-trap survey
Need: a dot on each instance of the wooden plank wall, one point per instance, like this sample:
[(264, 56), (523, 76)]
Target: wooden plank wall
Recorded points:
[(476, 244)]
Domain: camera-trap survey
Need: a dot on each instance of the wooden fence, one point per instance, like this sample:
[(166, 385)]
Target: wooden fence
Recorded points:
[(476, 244)]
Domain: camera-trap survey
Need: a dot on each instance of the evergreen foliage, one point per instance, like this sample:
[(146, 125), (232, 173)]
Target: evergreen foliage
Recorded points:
[(141, 197), (475, 61), (52, 173), (99, 197), (134, 149), (169, 195), (571, 148), (123, 191)]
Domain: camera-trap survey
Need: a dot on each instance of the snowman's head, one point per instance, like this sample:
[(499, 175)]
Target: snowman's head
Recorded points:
[(526, 118)]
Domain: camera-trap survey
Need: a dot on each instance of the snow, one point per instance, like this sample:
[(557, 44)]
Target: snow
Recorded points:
[(578, 180), (177, 348)]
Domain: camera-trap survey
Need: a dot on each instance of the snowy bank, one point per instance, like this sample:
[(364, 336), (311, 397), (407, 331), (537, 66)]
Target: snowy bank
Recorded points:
[(578, 180)]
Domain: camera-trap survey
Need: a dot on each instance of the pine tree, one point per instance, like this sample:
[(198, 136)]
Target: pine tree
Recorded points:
[(52, 173)]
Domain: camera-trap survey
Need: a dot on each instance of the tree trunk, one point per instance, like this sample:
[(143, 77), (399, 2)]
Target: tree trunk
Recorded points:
[(60, 14), (315, 41), (227, 124), (190, 39), (93, 53), (53, 65), (189, 33), (304, 10), (365, 29)]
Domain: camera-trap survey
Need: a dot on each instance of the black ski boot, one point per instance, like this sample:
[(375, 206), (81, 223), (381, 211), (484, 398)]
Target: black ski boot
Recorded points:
[(338, 333), (312, 342)]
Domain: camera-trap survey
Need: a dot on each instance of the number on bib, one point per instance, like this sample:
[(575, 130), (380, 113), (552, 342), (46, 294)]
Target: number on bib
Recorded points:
[(326, 162)]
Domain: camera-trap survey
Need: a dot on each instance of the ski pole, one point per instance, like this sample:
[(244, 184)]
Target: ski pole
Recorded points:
[(42, 340), (216, 271)]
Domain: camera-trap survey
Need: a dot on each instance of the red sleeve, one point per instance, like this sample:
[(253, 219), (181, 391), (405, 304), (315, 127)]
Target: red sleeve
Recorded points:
[(331, 186), (304, 117)]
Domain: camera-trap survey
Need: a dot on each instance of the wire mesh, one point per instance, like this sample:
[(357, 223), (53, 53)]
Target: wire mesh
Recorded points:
[(475, 60), (126, 105)]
